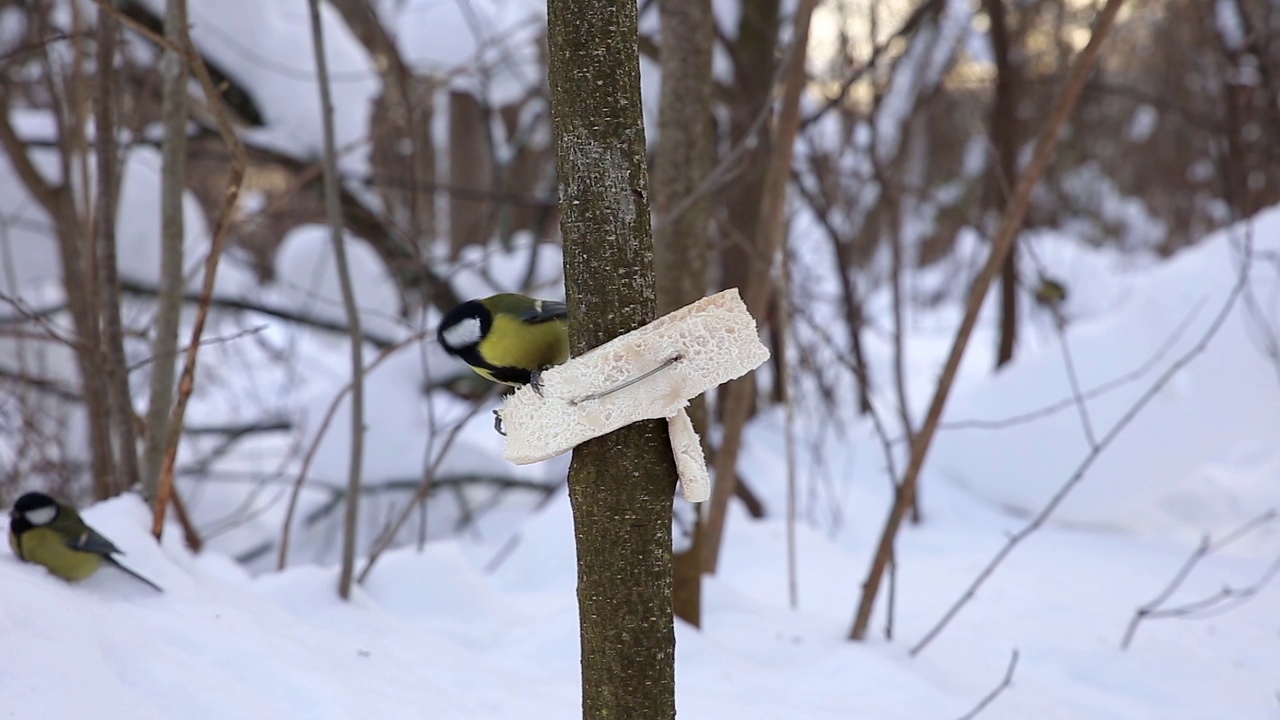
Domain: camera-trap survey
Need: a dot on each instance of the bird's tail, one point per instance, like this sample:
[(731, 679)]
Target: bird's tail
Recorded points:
[(121, 566)]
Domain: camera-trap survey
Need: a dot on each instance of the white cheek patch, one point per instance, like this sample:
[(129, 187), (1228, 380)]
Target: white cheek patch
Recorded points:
[(463, 334), (41, 516)]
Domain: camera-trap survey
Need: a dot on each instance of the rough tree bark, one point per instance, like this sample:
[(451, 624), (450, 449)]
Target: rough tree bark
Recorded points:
[(620, 485), (173, 67), (683, 160)]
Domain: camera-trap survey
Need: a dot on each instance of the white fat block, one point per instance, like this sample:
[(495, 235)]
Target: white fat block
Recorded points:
[(691, 464), (693, 349)]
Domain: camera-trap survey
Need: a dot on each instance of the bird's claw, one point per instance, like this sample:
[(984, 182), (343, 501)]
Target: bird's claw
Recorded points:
[(497, 423)]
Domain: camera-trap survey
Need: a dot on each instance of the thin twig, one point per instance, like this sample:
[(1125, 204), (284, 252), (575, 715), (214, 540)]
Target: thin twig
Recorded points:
[(1096, 451), (1206, 547), (1227, 594), (420, 495), (333, 209), (1067, 403), (996, 691), (215, 340), (293, 316), (783, 329), (282, 558), (1076, 395)]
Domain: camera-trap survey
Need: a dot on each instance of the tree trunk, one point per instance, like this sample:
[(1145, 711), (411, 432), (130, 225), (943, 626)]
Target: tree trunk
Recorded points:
[(106, 104), (770, 227), (683, 161), (169, 301), (620, 485), (1004, 138), (471, 209)]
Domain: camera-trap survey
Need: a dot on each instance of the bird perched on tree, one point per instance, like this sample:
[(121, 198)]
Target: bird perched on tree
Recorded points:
[(507, 338), (46, 532)]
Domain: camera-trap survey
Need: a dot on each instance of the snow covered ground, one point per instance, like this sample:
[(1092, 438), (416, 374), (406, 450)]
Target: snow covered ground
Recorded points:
[(443, 633), (437, 635)]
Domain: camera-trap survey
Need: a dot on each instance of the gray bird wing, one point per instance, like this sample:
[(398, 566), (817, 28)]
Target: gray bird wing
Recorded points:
[(91, 541), (134, 573), (545, 310)]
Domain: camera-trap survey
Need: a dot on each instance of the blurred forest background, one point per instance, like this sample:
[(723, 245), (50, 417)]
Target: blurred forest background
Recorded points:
[(916, 119)]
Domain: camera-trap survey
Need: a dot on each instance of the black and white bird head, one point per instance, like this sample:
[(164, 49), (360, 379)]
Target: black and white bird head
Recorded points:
[(33, 510), (464, 327)]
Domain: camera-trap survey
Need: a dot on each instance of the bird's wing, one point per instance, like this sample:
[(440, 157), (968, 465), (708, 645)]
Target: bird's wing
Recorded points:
[(545, 310), (134, 573), (91, 541)]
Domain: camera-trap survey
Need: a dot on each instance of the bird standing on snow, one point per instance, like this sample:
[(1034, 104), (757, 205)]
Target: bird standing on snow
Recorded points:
[(507, 338), (46, 532)]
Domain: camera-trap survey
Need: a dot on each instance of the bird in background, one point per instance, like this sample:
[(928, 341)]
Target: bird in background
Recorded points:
[(507, 338), (49, 533)]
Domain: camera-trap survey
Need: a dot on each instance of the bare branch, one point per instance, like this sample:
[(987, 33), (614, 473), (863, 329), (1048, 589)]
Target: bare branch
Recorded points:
[(1096, 451), (283, 555), (420, 494), (771, 229), (333, 209), (1067, 403), (41, 189), (378, 341), (1154, 607), (996, 691), (106, 101), (173, 68), (1076, 395), (1010, 223), (186, 382)]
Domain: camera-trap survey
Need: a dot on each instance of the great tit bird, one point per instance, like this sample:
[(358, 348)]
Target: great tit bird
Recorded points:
[(46, 532), (507, 338)]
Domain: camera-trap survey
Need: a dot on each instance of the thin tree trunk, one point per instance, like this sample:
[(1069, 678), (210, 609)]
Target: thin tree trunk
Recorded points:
[(1010, 223), (683, 161), (620, 485), (58, 202), (1004, 130), (106, 105), (169, 299), (755, 68), (771, 227), (333, 210), (186, 381)]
